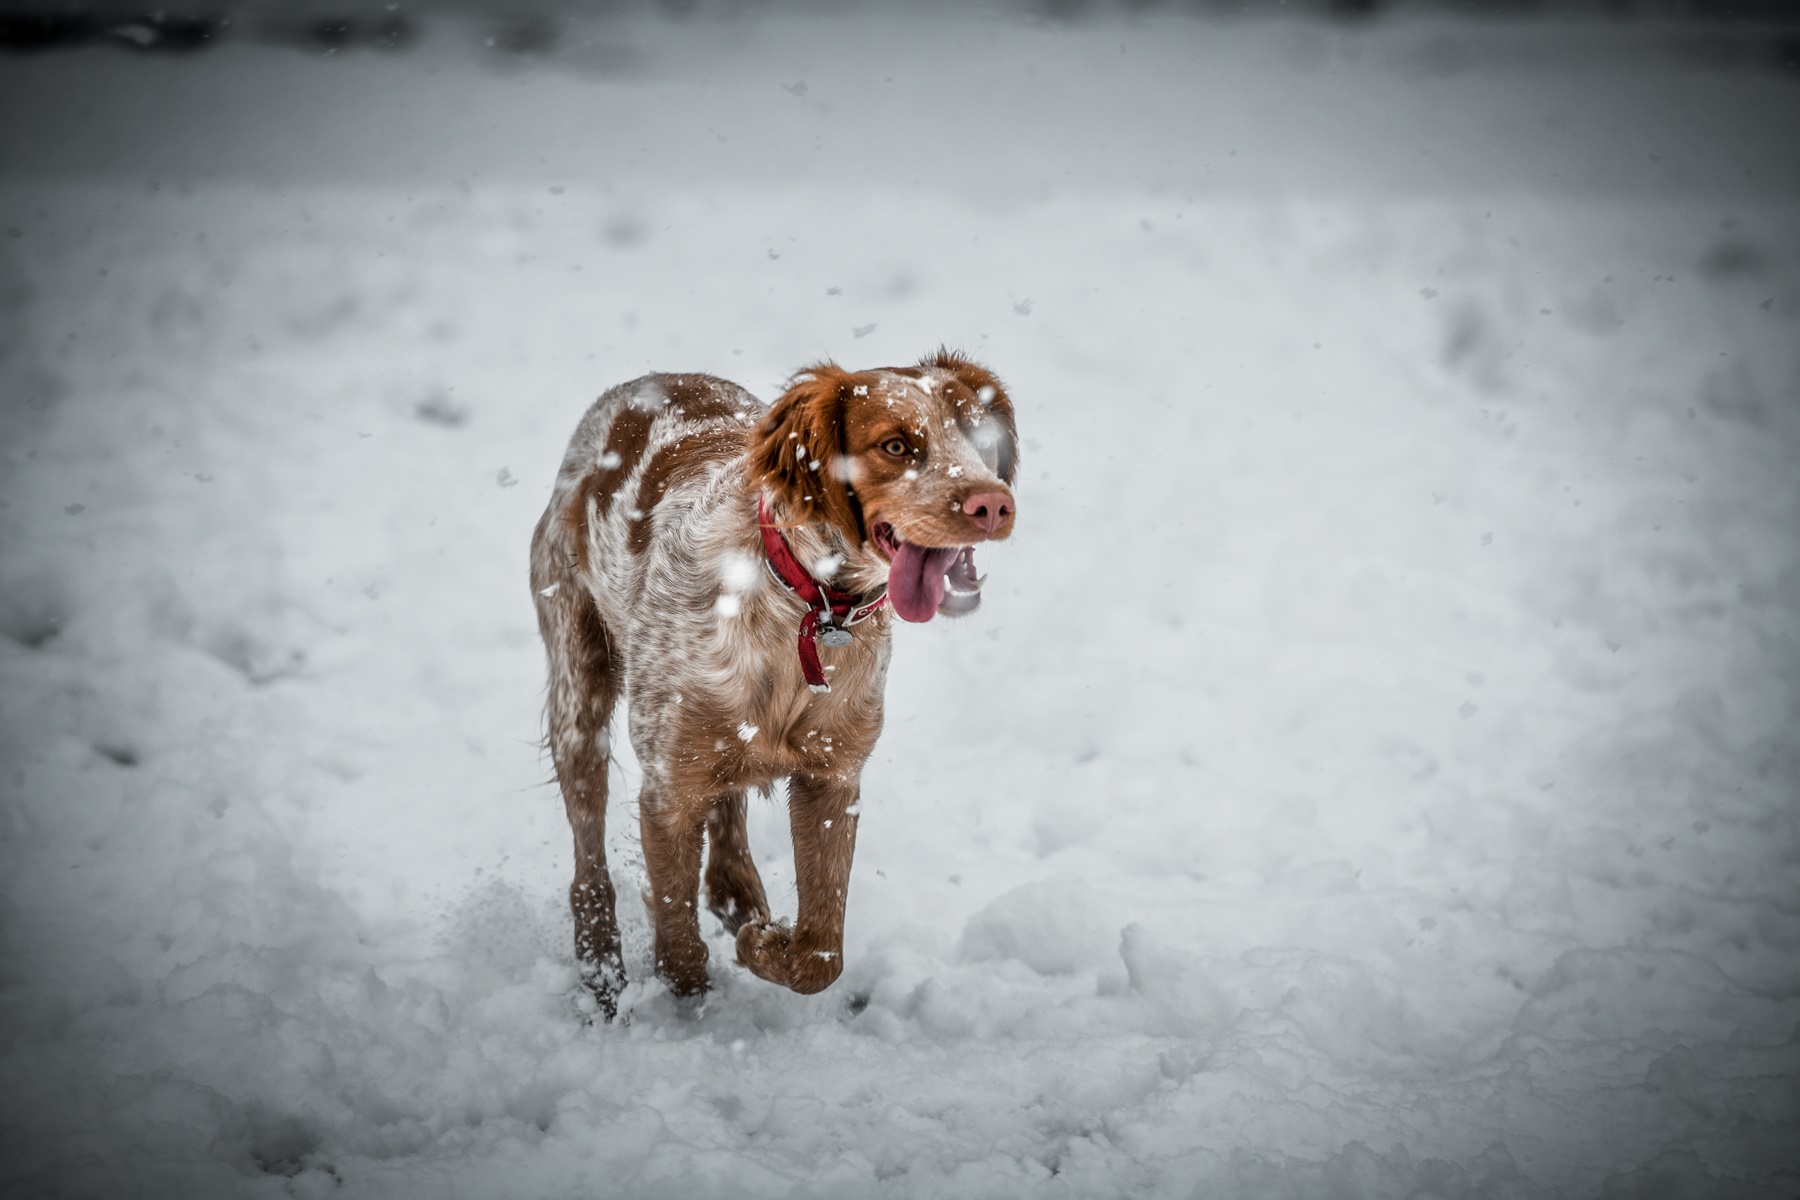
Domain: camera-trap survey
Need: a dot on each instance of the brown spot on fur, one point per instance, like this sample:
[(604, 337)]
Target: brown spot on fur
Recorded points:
[(704, 398), (626, 438), (674, 463)]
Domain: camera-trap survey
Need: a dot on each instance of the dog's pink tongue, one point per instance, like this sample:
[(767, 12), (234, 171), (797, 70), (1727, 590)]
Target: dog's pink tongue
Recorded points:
[(916, 580)]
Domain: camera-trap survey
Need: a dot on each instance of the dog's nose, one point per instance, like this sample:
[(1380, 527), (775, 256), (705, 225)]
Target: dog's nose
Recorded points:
[(990, 510)]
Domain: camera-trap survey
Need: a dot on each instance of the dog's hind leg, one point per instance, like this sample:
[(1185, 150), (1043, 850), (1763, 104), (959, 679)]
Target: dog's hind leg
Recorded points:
[(585, 678), (672, 828), (734, 890)]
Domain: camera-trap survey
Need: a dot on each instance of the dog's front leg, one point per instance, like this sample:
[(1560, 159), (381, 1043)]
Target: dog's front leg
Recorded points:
[(810, 956), (672, 829)]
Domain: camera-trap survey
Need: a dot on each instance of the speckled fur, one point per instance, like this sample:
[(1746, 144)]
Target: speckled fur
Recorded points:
[(649, 577)]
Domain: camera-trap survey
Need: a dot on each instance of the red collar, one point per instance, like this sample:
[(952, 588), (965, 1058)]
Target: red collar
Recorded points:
[(829, 612)]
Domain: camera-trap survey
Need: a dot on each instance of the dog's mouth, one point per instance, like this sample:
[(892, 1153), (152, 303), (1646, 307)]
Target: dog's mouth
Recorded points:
[(924, 581)]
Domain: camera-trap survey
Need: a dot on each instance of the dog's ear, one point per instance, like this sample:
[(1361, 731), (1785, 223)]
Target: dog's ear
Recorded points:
[(797, 450), (989, 394)]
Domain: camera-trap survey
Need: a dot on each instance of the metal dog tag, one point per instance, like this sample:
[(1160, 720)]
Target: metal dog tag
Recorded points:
[(831, 635)]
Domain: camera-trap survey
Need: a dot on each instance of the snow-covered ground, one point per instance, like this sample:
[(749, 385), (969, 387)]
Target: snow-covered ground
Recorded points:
[(1374, 771)]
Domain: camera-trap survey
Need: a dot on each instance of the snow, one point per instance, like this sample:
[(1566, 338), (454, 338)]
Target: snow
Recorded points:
[(1372, 771)]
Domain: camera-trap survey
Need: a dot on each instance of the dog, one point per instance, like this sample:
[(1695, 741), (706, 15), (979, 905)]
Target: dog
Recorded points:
[(731, 570)]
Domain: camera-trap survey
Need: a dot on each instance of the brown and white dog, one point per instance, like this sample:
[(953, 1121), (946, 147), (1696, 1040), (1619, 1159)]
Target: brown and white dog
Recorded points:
[(708, 558)]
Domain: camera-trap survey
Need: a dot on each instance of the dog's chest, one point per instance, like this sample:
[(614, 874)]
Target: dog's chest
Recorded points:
[(748, 718)]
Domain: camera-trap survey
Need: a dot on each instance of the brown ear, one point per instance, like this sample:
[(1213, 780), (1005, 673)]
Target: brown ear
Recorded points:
[(796, 449), (991, 395)]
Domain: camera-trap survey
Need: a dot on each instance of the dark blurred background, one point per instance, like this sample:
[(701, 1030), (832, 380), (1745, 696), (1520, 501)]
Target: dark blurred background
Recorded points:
[(29, 26)]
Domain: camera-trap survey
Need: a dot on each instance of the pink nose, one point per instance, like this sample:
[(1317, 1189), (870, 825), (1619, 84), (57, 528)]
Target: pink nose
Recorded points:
[(990, 510)]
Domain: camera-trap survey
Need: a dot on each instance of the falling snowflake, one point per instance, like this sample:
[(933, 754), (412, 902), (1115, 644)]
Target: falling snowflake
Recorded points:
[(738, 572)]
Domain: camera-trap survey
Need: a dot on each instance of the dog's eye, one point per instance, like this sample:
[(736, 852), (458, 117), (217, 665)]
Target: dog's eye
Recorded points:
[(896, 447)]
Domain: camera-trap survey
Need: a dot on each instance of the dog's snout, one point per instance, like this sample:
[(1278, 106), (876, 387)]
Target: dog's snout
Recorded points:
[(990, 510)]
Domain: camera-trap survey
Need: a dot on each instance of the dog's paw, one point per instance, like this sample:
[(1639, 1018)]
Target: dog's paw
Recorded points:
[(683, 968), (780, 955), (762, 949), (601, 982)]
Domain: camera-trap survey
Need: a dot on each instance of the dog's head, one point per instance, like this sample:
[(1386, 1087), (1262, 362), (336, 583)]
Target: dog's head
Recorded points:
[(910, 465)]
